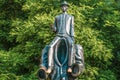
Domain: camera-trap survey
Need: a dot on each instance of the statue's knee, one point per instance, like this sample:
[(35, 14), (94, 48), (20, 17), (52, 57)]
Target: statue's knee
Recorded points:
[(71, 45), (50, 46), (80, 47)]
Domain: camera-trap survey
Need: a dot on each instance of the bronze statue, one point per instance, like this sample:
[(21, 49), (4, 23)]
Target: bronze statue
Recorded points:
[(62, 58)]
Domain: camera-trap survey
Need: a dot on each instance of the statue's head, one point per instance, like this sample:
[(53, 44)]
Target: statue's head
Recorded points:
[(64, 6)]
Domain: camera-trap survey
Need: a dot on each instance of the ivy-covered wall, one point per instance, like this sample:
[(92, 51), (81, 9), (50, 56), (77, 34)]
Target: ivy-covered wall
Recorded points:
[(24, 32)]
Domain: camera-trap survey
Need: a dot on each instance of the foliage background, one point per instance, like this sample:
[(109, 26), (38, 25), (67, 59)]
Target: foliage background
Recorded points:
[(24, 32)]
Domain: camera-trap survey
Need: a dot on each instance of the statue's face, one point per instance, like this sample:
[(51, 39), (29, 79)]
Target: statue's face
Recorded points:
[(64, 8)]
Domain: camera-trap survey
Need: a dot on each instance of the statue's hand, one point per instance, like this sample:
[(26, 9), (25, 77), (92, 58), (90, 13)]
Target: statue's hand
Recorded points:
[(49, 70), (69, 70), (52, 29), (50, 25)]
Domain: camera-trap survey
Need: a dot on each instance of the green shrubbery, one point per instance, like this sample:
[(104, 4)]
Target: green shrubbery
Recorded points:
[(24, 32)]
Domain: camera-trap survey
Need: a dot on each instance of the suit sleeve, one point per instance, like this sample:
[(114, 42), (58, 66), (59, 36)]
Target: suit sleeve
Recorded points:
[(54, 27), (72, 27)]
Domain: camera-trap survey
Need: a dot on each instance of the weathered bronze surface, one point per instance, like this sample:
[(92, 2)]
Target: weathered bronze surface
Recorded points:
[(62, 59)]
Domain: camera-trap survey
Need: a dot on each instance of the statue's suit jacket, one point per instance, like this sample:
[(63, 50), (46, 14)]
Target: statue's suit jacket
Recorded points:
[(64, 26)]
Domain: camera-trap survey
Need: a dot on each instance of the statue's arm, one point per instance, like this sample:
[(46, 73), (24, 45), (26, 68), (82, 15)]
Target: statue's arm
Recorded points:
[(72, 28), (54, 26)]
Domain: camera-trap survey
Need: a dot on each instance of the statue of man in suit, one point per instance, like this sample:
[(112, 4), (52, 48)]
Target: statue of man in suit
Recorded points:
[(64, 28)]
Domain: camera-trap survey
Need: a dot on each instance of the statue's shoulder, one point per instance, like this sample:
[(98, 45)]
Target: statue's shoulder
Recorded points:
[(58, 16), (70, 15)]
